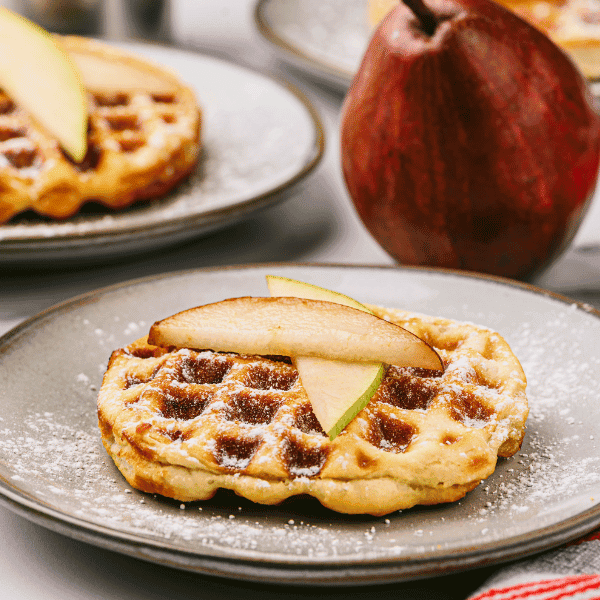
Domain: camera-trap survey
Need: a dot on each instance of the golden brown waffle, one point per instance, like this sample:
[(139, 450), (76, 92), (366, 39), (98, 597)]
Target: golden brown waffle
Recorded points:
[(184, 423), (143, 138)]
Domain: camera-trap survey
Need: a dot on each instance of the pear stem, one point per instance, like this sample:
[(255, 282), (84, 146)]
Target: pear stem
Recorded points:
[(424, 14)]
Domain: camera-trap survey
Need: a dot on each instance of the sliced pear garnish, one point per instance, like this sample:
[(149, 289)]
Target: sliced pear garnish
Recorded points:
[(339, 347), (293, 327), (40, 77), (337, 390), (285, 287)]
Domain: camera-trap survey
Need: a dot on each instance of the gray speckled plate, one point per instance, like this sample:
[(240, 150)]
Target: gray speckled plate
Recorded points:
[(261, 139), (54, 471)]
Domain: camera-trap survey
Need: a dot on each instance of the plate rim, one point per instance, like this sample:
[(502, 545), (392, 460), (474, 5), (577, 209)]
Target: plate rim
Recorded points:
[(250, 205), (319, 67), (338, 572)]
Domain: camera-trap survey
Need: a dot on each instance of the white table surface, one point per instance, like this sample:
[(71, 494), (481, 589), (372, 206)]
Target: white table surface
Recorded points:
[(317, 225)]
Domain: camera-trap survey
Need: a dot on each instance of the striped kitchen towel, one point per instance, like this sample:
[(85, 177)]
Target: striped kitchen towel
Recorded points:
[(570, 572)]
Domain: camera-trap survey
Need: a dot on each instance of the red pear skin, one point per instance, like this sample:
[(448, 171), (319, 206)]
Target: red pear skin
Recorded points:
[(473, 144)]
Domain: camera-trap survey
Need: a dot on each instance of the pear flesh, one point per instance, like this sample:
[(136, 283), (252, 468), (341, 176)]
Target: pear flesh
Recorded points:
[(40, 77), (294, 327), (337, 390)]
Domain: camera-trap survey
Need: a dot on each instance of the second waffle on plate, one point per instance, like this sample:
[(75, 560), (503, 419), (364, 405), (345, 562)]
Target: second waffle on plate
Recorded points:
[(143, 138)]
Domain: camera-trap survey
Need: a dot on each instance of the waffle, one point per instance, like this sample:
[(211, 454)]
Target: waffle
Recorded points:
[(183, 423), (143, 138)]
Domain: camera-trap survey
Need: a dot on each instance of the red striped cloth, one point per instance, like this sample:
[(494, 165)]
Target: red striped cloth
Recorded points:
[(570, 572), (575, 586)]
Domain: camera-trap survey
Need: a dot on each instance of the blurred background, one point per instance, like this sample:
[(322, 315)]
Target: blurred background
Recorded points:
[(319, 224)]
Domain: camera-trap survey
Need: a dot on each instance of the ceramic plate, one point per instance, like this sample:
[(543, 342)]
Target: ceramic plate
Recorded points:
[(54, 470), (324, 38), (260, 139)]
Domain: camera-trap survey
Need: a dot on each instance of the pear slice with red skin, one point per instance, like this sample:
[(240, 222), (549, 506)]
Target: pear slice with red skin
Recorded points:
[(39, 76), (294, 327), (337, 390)]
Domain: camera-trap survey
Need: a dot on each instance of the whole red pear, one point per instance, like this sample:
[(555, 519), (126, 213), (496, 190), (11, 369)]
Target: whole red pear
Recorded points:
[(468, 139)]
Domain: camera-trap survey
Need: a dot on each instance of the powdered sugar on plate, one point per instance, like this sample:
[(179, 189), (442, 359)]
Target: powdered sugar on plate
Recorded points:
[(51, 453), (62, 462)]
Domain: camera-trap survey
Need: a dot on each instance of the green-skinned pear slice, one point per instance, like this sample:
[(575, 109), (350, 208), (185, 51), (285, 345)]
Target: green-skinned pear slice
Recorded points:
[(293, 327), (40, 77), (337, 390), (283, 286)]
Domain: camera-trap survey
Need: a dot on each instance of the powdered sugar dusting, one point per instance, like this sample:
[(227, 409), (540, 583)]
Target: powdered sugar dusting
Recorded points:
[(68, 468), (559, 457), (50, 450)]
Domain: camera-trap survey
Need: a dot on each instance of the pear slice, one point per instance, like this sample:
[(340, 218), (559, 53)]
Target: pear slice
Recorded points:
[(284, 286), (337, 390), (293, 327), (40, 77)]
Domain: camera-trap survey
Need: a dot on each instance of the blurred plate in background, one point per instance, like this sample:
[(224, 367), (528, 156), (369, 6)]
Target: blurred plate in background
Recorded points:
[(327, 38), (324, 38), (260, 139)]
